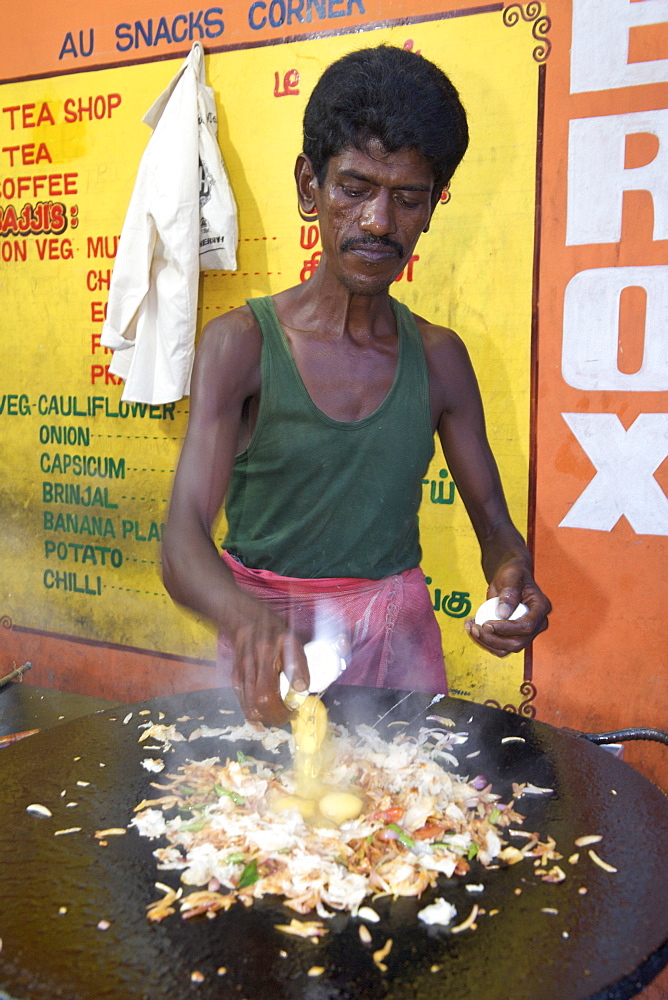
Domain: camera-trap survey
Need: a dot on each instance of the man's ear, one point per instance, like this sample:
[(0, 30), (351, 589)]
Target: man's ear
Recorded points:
[(435, 199), (307, 185)]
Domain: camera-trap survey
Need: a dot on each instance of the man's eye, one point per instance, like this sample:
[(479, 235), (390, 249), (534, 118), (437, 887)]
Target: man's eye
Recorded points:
[(352, 192)]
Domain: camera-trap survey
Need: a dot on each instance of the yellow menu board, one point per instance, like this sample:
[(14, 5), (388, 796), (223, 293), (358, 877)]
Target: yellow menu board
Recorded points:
[(85, 477)]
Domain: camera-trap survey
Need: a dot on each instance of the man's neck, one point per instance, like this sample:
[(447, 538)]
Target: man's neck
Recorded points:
[(328, 308)]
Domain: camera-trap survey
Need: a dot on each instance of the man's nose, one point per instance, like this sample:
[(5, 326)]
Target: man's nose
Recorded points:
[(378, 215)]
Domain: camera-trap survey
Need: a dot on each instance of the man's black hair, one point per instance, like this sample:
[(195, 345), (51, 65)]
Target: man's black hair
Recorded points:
[(390, 94)]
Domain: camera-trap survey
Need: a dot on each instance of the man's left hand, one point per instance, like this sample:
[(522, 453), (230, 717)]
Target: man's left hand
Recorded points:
[(513, 583)]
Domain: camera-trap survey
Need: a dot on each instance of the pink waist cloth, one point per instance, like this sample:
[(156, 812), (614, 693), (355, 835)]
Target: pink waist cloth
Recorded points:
[(390, 624)]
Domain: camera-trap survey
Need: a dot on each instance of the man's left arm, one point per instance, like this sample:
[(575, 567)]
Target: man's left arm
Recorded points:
[(457, 412)]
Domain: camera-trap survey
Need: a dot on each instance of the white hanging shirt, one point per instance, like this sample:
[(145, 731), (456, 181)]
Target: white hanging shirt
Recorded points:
[(152, 309)]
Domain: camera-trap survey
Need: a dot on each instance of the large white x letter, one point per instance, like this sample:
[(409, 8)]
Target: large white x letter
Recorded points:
[(625, 463)]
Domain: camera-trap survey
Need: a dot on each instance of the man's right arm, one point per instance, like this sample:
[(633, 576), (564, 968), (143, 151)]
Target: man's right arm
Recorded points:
[(226, 374)]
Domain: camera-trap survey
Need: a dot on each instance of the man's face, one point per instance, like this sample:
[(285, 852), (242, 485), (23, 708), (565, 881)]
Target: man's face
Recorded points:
[(372, 208)]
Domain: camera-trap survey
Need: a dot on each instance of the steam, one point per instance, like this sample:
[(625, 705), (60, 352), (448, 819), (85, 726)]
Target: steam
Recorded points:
[(434, 700)]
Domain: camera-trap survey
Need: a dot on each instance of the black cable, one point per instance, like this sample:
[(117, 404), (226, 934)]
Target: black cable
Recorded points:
[(622, 735)]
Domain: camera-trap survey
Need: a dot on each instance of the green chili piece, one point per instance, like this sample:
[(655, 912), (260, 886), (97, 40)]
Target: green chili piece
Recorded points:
[(472, 851), (236, 798), (235, 859), (402, 837), (249, 875), (198, 824), (192, 810)]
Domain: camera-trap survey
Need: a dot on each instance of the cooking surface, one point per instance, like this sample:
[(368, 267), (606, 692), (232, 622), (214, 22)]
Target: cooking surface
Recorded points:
[(606, 943), (25, 707)]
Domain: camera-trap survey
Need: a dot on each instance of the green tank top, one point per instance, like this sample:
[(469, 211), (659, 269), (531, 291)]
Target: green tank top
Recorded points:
[(315, 497)]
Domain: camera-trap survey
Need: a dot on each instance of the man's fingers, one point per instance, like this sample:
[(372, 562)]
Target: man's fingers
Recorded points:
[(243, 680), (480, 638), (495, 643), (512, 587), (272, 710), (506, 604), (259, 660), (501, 638), (295, 666)]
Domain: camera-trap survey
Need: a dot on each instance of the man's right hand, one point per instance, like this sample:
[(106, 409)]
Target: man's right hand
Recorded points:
[(263, 648), (227, 374)]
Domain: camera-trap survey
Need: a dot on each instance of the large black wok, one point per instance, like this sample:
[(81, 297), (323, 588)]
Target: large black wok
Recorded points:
[(54, 891)]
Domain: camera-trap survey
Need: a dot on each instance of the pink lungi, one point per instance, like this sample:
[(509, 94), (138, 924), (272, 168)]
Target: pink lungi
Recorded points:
[(390, 624)]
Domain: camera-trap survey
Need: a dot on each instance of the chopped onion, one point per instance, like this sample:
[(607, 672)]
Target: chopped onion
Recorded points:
[(35, 809), (600, 862), (469, 922)]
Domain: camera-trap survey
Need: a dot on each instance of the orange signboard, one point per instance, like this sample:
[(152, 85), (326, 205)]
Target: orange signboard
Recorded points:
[(602, 428), (76, 38)]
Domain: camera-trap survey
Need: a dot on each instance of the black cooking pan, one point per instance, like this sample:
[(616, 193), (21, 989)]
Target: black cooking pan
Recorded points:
[(54, 891)]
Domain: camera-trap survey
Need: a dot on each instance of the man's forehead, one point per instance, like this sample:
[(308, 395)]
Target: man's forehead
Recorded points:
[(374, 159)]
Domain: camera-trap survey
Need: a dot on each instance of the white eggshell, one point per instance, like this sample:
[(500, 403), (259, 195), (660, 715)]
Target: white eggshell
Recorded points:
[(487, 612), (325, 665)]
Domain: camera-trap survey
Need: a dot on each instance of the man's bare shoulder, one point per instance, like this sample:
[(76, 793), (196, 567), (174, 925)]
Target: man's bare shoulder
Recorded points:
[(236, 330), (228, 354), (441, 344), (452, 382)]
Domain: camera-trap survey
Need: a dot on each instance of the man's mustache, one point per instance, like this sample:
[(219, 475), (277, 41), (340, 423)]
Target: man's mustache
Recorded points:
[(372, 243)]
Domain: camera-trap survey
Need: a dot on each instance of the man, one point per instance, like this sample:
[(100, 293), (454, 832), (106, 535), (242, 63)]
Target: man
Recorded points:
[(313, 414)]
